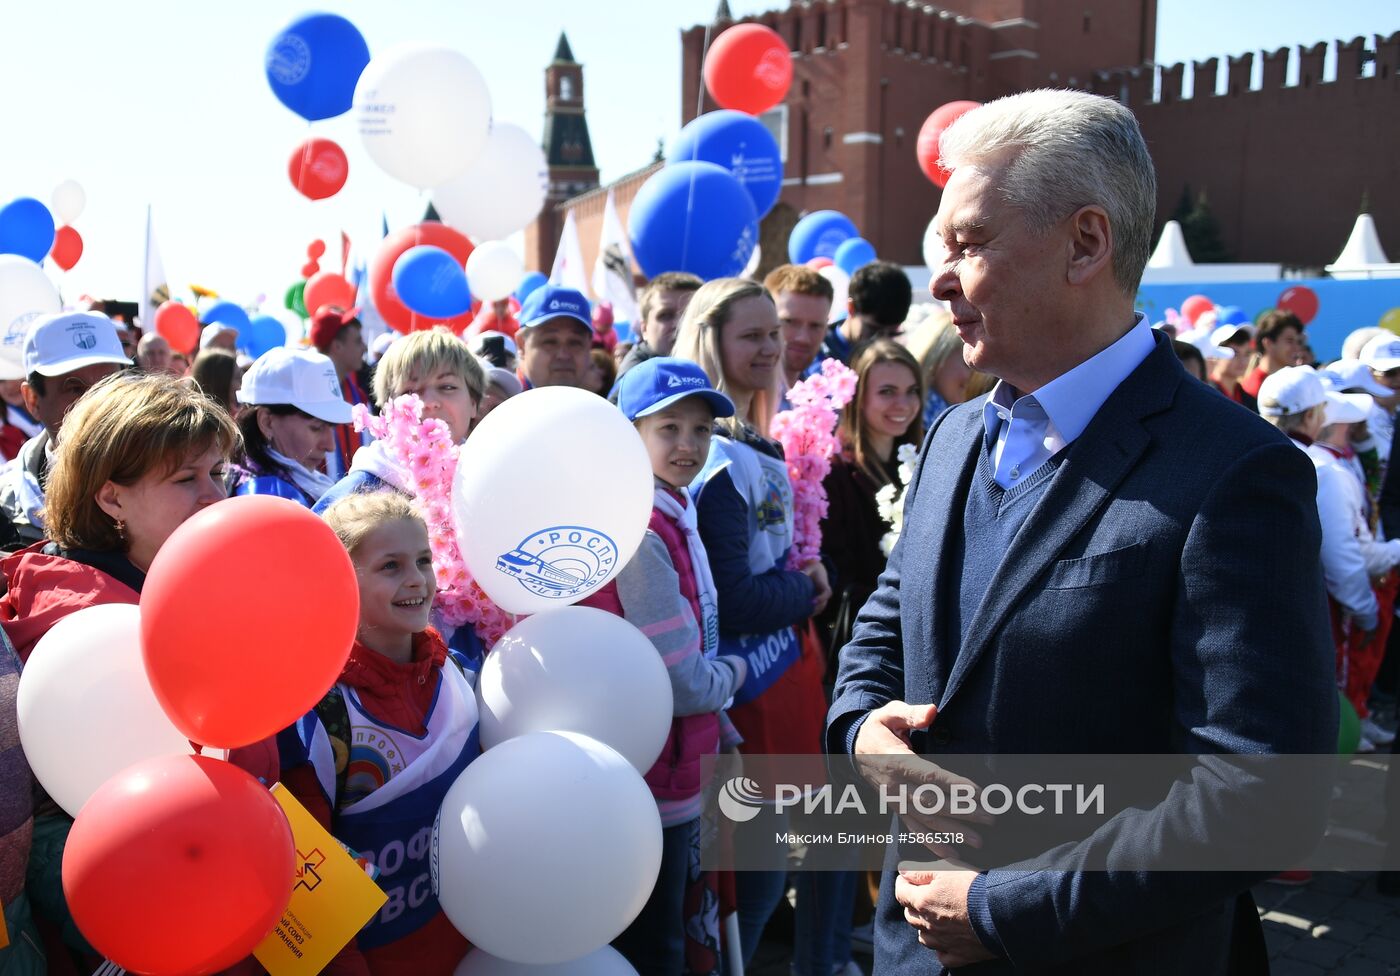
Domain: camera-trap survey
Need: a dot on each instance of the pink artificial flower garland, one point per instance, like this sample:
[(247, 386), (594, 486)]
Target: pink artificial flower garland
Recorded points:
[(425, 450), (807, 433)]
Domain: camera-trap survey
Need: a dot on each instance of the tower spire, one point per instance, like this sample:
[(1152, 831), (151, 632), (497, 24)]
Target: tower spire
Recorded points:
[(563, 53)]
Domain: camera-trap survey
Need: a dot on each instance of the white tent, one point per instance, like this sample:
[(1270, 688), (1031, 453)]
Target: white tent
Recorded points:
[(1363, 256), (1171, 264)]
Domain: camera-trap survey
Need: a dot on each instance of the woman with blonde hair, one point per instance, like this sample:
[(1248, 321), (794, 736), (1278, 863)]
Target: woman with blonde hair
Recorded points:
[(745, 512)]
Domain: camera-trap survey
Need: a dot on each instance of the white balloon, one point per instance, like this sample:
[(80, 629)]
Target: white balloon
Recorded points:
[(546, 848), (86, 708), (502, 191), (580, 488), (606, 961), (424, 113), (25, 294), (582, 670), (932, 247), (754, 259), (493, 271), (68, 201), (840, 287)]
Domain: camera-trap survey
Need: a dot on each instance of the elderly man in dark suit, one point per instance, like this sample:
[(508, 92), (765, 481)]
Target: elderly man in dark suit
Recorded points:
[(1100, 556)]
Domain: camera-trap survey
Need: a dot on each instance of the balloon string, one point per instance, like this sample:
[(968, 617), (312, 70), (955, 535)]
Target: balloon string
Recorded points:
[(305, 161), (690, 196)]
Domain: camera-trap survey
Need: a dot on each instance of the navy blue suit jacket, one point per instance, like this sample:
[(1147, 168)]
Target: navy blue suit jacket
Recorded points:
[(1164, 596)]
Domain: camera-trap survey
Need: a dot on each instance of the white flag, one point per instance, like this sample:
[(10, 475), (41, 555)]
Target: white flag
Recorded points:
[(612, 271), (155, 290), (568, 260)]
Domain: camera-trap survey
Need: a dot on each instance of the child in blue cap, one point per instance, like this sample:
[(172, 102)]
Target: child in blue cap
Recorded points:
[(668, 593)]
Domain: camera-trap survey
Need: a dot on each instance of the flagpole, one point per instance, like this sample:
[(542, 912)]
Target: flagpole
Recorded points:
[(146, 274)]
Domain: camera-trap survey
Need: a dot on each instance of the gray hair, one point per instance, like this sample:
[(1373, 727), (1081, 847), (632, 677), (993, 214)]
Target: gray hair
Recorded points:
[(1070, 149)]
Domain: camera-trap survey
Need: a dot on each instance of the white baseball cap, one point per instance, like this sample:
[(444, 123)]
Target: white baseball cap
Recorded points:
[(302, 378), (1382, 353), (1297, 389), (69, 341), (1225, 333), (1204, 341), (1352, 374), (1348, 408)]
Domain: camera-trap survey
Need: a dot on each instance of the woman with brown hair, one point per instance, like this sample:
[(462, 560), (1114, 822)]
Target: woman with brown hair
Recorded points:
[(140, 454)]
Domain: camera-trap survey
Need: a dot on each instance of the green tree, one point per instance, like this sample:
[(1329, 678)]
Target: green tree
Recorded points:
[(1200, 228)]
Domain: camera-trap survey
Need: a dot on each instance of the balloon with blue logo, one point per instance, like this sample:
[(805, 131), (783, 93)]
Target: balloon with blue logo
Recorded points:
[(26, 229), (430, 282), (739, 143), (818, 235), (263, 333), (855, 252), (695, 217), (580, 494), (226, 313), (529, 283), (314, 64)]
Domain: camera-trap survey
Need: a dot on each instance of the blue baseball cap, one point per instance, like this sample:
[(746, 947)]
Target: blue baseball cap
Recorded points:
[(555, 301), (659, 382)]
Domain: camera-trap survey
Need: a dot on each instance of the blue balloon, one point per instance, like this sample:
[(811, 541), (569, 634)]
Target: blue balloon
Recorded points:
[(226, 313), (696, 217), (430, 282), (314, 63), (263, 333), (741, 144), (26, 229), (528, 284), (818, 235), (854, 252), (1231, 315)]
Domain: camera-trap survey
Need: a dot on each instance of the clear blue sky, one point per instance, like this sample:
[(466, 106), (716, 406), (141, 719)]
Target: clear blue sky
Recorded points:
[(165, 102)]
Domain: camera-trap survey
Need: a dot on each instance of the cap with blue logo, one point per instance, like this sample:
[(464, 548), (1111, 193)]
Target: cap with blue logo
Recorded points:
[(69, 341), (555, 301), (659, 382)]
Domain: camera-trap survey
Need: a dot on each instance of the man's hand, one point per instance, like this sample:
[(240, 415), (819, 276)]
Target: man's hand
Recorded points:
[(935, 903), (887, 758)]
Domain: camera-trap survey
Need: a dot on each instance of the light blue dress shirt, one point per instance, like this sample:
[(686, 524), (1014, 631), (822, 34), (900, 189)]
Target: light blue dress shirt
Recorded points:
[(1023, 432)]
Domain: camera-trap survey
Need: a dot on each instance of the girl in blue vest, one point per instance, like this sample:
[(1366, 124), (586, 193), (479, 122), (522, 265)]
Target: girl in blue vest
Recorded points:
[(291, 402), (373, 761), (744, 504), (667, 592)]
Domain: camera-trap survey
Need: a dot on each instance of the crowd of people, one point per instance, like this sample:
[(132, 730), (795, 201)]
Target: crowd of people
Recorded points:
[(112, 441)]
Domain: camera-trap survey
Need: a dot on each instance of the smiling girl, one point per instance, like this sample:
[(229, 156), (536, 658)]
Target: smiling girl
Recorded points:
[(373, 761)]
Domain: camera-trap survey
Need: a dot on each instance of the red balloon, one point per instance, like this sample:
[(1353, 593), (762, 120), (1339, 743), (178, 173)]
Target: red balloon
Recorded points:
[(309, 269), (184, 836), (316, 249), (67, 247), (1301, 301), (178, 325), (932, 130), (231, 671), (381, 287), (486, 321), (748, 68), (318, 169), (817, 263), (1196, 306), (328, 288)]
